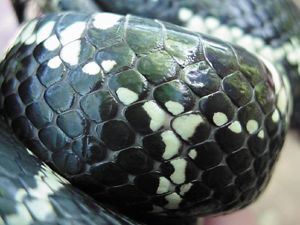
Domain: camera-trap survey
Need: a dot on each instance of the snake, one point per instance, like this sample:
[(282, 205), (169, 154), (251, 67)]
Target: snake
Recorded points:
[(144, 112)]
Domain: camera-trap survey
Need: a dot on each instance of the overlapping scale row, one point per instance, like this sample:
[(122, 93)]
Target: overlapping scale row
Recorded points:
[(31, 193), (143, 114)]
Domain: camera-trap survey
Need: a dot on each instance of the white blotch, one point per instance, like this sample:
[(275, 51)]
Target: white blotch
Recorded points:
[(220, 118), (282, 101), (91, 68), (186, 125), (20, 195), (212, 23), (72, 32), (185, 188), (163, 186), (252, 126), (20, 216), (30, 40), (261, 134), (275, 116), (173, 201), (71, 53), (107, 65), (237, 32), (127, 96), (156, 114), (105, 20), (41, 190), (267, 52), (193, 154), (235, 127), (179, 165), (196, 23), (224, 32), (27, 32), (172, 144), (54, 63), (247, 42), (185, 14), (258, 43), (43, 210), (52, 43), (174, 107), (44, 32)]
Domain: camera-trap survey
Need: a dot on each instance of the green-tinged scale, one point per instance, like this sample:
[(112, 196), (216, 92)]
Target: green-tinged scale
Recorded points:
[(145, 115)]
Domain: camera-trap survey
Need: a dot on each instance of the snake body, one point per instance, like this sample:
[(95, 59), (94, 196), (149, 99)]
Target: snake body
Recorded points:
[(149, 117)]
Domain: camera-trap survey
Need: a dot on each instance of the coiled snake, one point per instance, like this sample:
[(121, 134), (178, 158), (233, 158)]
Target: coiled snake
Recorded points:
[(151, 119)]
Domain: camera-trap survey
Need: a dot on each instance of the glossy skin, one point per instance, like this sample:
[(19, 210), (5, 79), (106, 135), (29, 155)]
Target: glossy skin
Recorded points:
[(31, 193), (127, 119)]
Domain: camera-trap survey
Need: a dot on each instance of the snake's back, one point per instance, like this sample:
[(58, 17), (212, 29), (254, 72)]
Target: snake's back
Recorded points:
[(130, 111)]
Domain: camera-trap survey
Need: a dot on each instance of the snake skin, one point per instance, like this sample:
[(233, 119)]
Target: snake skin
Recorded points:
[(145, 115), (32, 194), (270, 28)]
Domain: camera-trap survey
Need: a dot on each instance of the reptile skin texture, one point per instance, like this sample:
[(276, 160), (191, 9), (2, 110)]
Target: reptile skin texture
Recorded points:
[(267, 27), (145, 115), (32, 194)]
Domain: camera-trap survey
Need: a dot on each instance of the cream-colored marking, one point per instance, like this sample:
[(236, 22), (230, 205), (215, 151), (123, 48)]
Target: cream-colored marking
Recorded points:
[(163, 186), (105, 20), (193, 154), (261, 134), (44, 32), (30, 40), (20, 195), (54, 63), (173, 201), (27, 31), (275, 116), (72, 32), (282, 101), (91, 68), (186, 125), (157, 115), (107, 65), (224, 32), (185, 188), (235, 127), (252, 126), (212, 23), (52, 43), (174, 107), (127, 96), (71, 53), (196, 23), (172, 144), (246, 41), (237, 32), (179, 165), (41, 190), (46, 211), (185, 14), (21, 216), (55, 182), (220, 118)]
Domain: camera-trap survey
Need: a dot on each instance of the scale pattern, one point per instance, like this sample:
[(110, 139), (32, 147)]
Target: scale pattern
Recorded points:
[(31, 193), (266, 27), (130, 111)]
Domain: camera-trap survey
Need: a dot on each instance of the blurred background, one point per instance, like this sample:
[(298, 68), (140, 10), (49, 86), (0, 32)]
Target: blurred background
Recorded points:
[(279, 205)]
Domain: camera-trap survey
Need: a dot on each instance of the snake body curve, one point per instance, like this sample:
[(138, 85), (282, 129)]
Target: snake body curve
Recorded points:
[(109, 110)]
